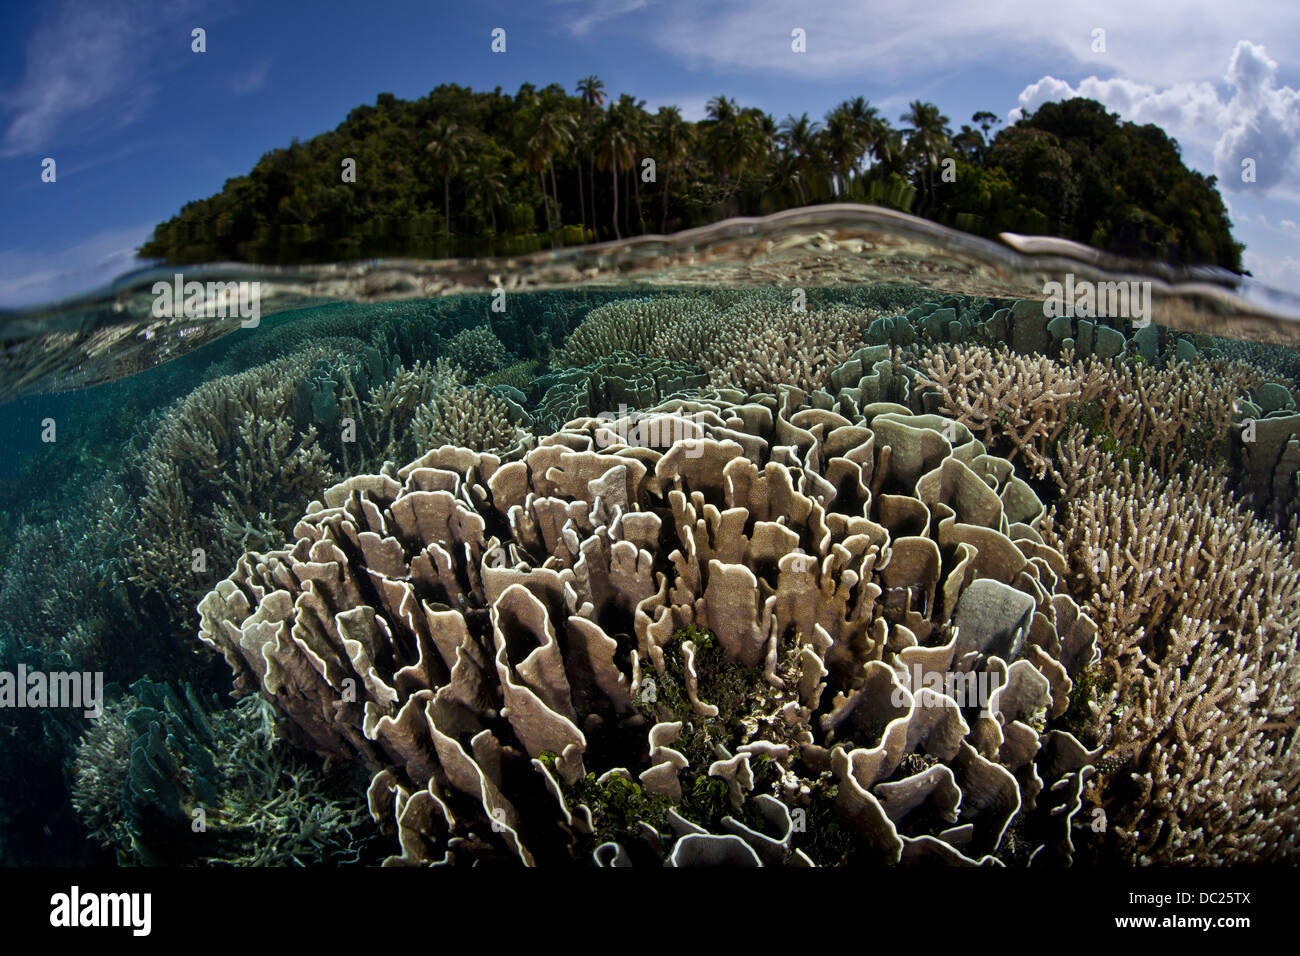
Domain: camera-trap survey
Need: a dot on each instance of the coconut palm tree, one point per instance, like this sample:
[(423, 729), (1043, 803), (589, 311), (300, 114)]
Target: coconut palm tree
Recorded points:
[(555, 126), (592, 92), (735, 140), (636, 126), (490, 184), (615, 151), (721, 129), (798, 137), (673, 139), (539, 155), (867, 125), (447, 149), (927, 138), (843, 143)]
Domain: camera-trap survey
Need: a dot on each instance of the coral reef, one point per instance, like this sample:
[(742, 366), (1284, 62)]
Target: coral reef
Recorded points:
[(1166, 417), (672, 637), (65, 610), (475, 417), (621, 381), (162, 778), (477, 351), (221, 470), (1194, 704), (753, 344), (1025, 401)]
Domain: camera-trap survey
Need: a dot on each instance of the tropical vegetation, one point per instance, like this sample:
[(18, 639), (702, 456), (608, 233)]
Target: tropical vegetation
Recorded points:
[(460, 172)]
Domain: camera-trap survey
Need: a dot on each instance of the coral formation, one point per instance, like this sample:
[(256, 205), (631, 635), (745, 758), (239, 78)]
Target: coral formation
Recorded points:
[(535, 655), (1166, 417), (477, 351), (753, 344), (162, 778), (1198, 605), (619, 382), (223, 469)]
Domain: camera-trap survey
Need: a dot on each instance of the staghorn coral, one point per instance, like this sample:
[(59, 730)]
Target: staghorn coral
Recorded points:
[(627, 325), (1166, 417), (477, 351), (1198, 606), (535, 656), (220, 471), (65, 610), (100, 764), (475, 417), (620, 382), (757, 342), (161, 778), (1024, 400), (385, 414)]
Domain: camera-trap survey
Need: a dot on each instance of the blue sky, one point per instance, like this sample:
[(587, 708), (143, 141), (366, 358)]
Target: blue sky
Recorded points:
[(139, 124)]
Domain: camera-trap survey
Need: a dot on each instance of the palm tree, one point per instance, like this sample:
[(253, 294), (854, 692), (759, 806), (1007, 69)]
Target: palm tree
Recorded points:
[(735, 140), (673, 138), (615, 151), (554, 126), (927, 136), (581, 143), (447, 148), (592, 92), (799, 139), (721, 135), (539, 156), (490, 184), (844, 144), (867, 125), (636, 127)]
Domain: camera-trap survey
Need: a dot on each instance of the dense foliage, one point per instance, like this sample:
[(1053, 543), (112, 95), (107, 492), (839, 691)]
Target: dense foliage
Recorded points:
[(465, 173)]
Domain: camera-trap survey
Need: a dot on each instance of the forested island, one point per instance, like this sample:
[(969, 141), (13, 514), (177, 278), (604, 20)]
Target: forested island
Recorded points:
[(464, 173)]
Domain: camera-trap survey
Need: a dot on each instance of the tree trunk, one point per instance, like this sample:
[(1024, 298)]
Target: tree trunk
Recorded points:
[(591, 184), (636, 189), (546, 204), (582, 201), (555, 191), (663, 224), (613, 175)]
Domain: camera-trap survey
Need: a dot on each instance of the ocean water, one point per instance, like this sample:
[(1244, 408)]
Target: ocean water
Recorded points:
[(945, 551)]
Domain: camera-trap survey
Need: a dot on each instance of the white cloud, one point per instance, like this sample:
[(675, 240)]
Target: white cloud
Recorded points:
[(598, 11), (251, 80), (1262, 120), (28, 277), (1280, 272), (1165, 43), (1259, 119), (85, 63)]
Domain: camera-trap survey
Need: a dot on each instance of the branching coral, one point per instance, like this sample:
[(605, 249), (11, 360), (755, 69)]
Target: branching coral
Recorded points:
[(1198, 605), (486, 635), (1166, 417), (64, 609), (758, 342), (477, 351), (474, 417), (1025, 400), (222, 467), (161, 778)]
